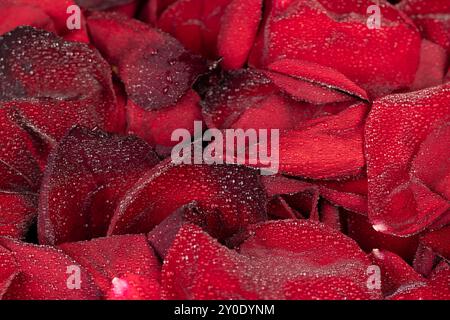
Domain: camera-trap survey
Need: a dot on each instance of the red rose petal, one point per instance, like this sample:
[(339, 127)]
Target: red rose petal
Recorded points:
[(329, 149), (17, 212), (396, 274), (431, 71), (431, 16), (312, 82), (438, 241), (437, 288), (44, 274), (330, 216), (156, 126), (248, 99), (328, 34), (238, 31), (398, 128), (19, 169), (13, 15), (230, 197), (8, 270), (124, 267), (280, 260), (57, 11), (86, 176), (195, 23), (156, 69)]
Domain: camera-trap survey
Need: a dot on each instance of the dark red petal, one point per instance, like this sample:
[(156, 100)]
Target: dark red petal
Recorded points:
[(238, 31), (19, 169), (248, 99), (195, 23), (312, 82), (399, 128), (77, 91), (396, 274), (156, 69), (17, 212), (431, 71), (44, 274), (362, 231), (123, 267), (230, 197), (280, 260), (156, 126), (162, 236), (328, 34), (86, 176), (438, 241), (279, 208), (330, 216), (8, 270)]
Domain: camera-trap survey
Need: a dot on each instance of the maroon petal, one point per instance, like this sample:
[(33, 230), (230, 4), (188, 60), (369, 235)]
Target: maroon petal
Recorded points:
[(195, 23), (85, 177), (156, 69), (238, 31), (312, 82), (19, 168), (248, 99), (17, 212), (326, 33), (101, 4), (8, 270), (162, 236), (78, 90), (280, 260), (402, 200), (44, 274), (123, 267), (230, 197)]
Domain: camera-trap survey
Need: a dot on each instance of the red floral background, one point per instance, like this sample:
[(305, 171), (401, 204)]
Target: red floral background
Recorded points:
[(86, 179)]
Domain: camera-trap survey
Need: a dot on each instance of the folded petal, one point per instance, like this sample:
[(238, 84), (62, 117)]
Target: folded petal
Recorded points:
[(238, 30), (231, 198), (8, 270), (328, 34), (404, 135), (86, 176), (279, 260)]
